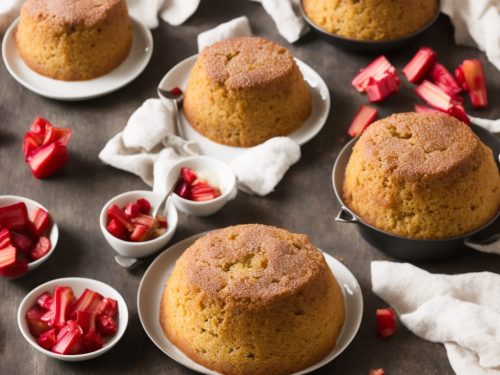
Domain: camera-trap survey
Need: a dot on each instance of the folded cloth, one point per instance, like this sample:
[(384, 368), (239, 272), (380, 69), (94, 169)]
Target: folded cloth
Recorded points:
[(9, 9), (287, 16), (260, 168), (461, 311), (174, 12), (477, 24), (490, 125), (235, 28)]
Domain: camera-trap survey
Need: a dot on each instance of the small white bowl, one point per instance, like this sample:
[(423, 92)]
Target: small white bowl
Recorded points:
[(216, 172), (78, 284), (139, 249), (7, 200)]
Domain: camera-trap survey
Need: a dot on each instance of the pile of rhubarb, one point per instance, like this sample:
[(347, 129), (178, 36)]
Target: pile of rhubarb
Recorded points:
[(23, 238), (66, 325), (134, 222), (436, 86), (45, 148), (190, 187)]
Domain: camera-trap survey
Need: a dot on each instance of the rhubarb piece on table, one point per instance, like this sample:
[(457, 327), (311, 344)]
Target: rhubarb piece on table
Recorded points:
[(380, 88), (42, 247), (365, 116), (63, 300), (386, 322), (420, 65), (41, 221), (471, 75), (14, 216), (443, 79), (48, 339), (48, 159), (36, 324), (375, 69), (379, 371), (419, 108)]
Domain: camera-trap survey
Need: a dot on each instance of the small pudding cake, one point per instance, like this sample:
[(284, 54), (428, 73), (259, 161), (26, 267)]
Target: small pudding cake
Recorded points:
[(244, 91), (74, 40), (253, 299), (422, 176)]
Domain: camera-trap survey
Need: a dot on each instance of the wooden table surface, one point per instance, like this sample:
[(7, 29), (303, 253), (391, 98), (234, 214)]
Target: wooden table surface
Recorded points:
[(303, 202)]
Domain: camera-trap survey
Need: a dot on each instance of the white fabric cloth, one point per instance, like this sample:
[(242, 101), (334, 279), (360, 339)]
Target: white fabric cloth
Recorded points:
[(477, 24), (9, 9), (490, 125), (174, 12), (287, 17), (461, 311), (235, 28)]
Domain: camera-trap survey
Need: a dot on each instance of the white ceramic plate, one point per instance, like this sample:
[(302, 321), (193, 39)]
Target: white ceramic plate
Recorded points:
[(155, 278), (178, 77), (137, 59)]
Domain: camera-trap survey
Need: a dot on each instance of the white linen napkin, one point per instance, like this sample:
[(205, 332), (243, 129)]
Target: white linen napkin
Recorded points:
[(174, 12), (235, 28), (461, 311)]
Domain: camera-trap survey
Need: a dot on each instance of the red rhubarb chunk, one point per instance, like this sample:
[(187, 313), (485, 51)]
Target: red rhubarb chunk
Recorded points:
[(375, 69), (69, 339), (424, 109), (63, 300), (365, 116), (106, 325), (5, 238), (19, 268), (475, 82), (8, 256), (21, 242), (42, 247), (48, 159), (86, 320), (442, 78), (420, 65), (140, 233), (161, 220), (36, 324), (88, 301), (145, 220), (45, 301), (116, 229), (386, 322), (132, 210), (41, 221), (380, 88), (176, 91), (92, 341), (379, 371), (434, 96), (48, 339), (30, 143), (114, 212), (14, 216), (182, 189), (188, 175), (108, 306), (39, 125), (144, 205), (62, 135)]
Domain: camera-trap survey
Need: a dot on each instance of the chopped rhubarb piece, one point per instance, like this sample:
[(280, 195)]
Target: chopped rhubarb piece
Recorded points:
[(144, 205), (39, 125), (108, 306), (161, 220), (182, 189), (386, 322), (442, 78), (48, 339), (424, 109), (30, 143), (69, 339), (145, 220), (114, 212), (375, 69), (365, 116), (176, 91), (379, 371), (63, 300), (202, 197), (42, 247), (36, 325), (44, 301), (41, 221), (132, 210), (19, 268), (140, 233), (106, 325), (86, 320), (21, 242), (92, 341), (116, 229), (380, 88), (8, 256), (201, 190), (458, 112), (88, 301), (460, 77), (50, 135), (62, 135), (188, 175), (48, 159), (5, 238), (14, 216), (420, 65), (475, 82), (49, 315)]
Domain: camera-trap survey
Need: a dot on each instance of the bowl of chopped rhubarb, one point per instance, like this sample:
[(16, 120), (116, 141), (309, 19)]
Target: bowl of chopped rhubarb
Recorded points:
[(73, 318), (28, 235), (129, 228)]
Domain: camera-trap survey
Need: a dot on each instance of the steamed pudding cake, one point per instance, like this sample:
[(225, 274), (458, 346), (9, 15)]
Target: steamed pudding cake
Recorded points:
[(253, 299)]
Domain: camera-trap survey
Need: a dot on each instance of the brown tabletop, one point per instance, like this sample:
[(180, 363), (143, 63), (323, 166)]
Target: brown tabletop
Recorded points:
[(303, 202)]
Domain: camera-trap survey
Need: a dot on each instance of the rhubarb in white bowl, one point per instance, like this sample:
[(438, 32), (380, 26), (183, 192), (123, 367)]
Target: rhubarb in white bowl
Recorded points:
[(28, 235), (203, 185), (78, 315)]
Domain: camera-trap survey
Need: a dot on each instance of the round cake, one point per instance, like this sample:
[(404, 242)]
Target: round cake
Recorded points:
[(73, 40), (370, 19), (253, 299), (243, 91), (422, 176)]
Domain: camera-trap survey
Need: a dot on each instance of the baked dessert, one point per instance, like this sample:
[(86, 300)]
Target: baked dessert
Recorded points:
[(74, 40), (422, 176), (243, 91), (370, 19), (253, 299)]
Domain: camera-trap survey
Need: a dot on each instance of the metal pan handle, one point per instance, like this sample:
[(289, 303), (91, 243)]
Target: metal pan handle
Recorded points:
[(345, 216), (489, 245)]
